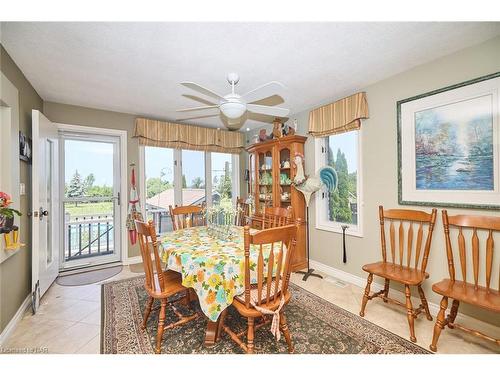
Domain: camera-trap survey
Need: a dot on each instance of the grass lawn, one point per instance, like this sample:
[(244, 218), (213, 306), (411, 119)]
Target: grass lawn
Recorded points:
[(89, 208)]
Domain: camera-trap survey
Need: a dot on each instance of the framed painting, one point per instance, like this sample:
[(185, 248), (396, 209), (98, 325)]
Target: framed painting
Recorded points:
[(449, 146)]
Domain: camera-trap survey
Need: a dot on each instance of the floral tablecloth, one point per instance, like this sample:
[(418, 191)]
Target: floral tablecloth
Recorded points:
[(214, 268)]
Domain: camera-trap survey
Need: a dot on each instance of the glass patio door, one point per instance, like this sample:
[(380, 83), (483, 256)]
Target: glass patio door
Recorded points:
[(91, 200)]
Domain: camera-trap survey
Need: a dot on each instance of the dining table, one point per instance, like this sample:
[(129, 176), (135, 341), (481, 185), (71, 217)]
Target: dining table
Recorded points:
[(213, 266)]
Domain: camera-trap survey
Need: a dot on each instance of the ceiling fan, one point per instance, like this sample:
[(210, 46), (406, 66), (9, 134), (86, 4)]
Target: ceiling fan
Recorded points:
[(234, 106)]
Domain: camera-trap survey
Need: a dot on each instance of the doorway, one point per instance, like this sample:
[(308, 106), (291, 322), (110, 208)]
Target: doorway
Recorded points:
[(91, 198)]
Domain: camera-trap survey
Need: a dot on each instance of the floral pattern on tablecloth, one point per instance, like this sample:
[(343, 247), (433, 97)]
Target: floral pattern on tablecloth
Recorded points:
[(214, 268)]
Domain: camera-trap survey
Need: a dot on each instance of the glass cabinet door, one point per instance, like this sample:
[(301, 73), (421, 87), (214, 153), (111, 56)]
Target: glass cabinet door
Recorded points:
[(265, 183), (285, 177)]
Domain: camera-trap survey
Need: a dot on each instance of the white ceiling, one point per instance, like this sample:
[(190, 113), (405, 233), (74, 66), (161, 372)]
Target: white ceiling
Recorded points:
[(136, 67)]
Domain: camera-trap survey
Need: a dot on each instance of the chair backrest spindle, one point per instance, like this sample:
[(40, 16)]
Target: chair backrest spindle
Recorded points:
[(152, 265), (476, 224), (406, 216), (273, 269), (186, 216)]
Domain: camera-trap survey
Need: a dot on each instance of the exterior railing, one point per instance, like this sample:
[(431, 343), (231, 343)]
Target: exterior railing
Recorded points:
[(88, 236), (162, 220)]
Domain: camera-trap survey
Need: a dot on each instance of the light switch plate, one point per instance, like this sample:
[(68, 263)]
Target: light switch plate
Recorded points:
[(22, 189)]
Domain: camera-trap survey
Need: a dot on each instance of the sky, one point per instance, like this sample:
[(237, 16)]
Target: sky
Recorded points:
[(89, 157), (347, 142)]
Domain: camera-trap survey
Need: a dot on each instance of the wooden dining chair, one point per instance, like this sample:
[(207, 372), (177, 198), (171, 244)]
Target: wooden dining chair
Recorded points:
[(410, 270), (243, 212), (270, 294), (159, 284), (273, 217), (458, 289), (187, 216)]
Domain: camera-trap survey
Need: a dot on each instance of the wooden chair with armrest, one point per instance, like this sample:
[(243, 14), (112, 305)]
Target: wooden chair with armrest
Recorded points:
[(270, 294), (159, 284), (410, 273), (186, 216), (483, 296), (273, 217)]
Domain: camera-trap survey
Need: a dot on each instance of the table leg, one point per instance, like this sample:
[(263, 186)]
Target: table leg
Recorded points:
[(214, 329), (212, 332)]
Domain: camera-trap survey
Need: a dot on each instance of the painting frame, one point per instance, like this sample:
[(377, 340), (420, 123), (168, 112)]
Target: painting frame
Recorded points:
[(25, 147), (408, 193)]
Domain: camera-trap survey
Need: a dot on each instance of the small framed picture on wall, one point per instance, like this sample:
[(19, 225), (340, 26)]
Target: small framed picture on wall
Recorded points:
[(449, 146), (24, 147)]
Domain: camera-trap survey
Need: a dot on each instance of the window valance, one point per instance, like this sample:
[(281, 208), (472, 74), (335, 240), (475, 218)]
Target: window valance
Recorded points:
[(189, 137), (338, 117)]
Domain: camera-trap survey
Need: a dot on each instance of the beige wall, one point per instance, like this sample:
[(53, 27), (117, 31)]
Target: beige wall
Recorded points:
[(75, 115), (15, 272), (379, 159)]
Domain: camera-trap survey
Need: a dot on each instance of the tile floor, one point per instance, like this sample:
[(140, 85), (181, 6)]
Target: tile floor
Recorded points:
[(68, 320)]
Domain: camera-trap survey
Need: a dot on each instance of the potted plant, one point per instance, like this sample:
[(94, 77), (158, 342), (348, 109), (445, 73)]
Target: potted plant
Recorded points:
[(6, 213)]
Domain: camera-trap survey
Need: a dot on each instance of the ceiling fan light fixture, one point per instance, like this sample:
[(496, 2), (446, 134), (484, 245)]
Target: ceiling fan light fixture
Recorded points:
[(233, 110)]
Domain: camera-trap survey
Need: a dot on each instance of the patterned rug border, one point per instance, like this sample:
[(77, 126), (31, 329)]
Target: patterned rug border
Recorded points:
[(351, 315)]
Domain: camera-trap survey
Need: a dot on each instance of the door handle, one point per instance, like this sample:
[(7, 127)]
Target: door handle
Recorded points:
[(42, 213), (118, 199)]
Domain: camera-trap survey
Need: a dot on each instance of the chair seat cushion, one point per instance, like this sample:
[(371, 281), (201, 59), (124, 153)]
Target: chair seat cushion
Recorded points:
[(465, 292), (402, 274), (254, 292)]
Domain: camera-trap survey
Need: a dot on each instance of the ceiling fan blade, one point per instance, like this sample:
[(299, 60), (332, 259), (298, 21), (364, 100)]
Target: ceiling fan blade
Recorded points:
[(195, 117), (264, 91), (197, 108), (198, 99), (201, 89), (267, 110)]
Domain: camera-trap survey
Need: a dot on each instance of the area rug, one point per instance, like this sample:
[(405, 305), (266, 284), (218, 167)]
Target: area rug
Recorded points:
[(317, 327), (88, 277)]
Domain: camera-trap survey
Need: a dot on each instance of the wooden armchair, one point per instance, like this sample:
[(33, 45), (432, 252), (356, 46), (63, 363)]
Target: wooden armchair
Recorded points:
[(459, 289), (243, 212), (410, 274), (159, 284), (270, 295), (273, 217), (186, 217)]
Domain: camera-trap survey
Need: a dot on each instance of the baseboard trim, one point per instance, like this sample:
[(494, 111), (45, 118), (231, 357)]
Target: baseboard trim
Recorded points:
[(361, 282), (9, 328), (133, 260)]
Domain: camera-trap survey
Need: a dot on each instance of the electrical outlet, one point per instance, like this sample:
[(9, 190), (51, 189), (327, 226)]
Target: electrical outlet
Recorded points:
[(22, 189)]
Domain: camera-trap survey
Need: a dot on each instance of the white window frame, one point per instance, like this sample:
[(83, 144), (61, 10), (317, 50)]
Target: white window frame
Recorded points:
[(235, 160), (322, 199)]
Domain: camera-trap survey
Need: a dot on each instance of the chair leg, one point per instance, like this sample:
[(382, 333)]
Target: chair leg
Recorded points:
[(440, 323), (250, 336), (409, 313), (286, 331), (424, 303), (161, 325), (147, 311), (386, 290), (453, 313), (366, 295), (221, 323)]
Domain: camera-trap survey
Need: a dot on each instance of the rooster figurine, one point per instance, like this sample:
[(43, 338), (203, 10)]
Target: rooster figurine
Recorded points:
[(308, 185)]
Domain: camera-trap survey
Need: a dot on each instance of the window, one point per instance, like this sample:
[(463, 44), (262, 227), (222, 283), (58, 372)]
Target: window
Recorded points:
[(193, 178), (343, 207), (222, 179), (159, 186), (184, 177)]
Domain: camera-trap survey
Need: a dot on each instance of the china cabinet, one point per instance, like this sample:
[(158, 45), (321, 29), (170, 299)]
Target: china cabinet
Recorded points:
[(271, 175)]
